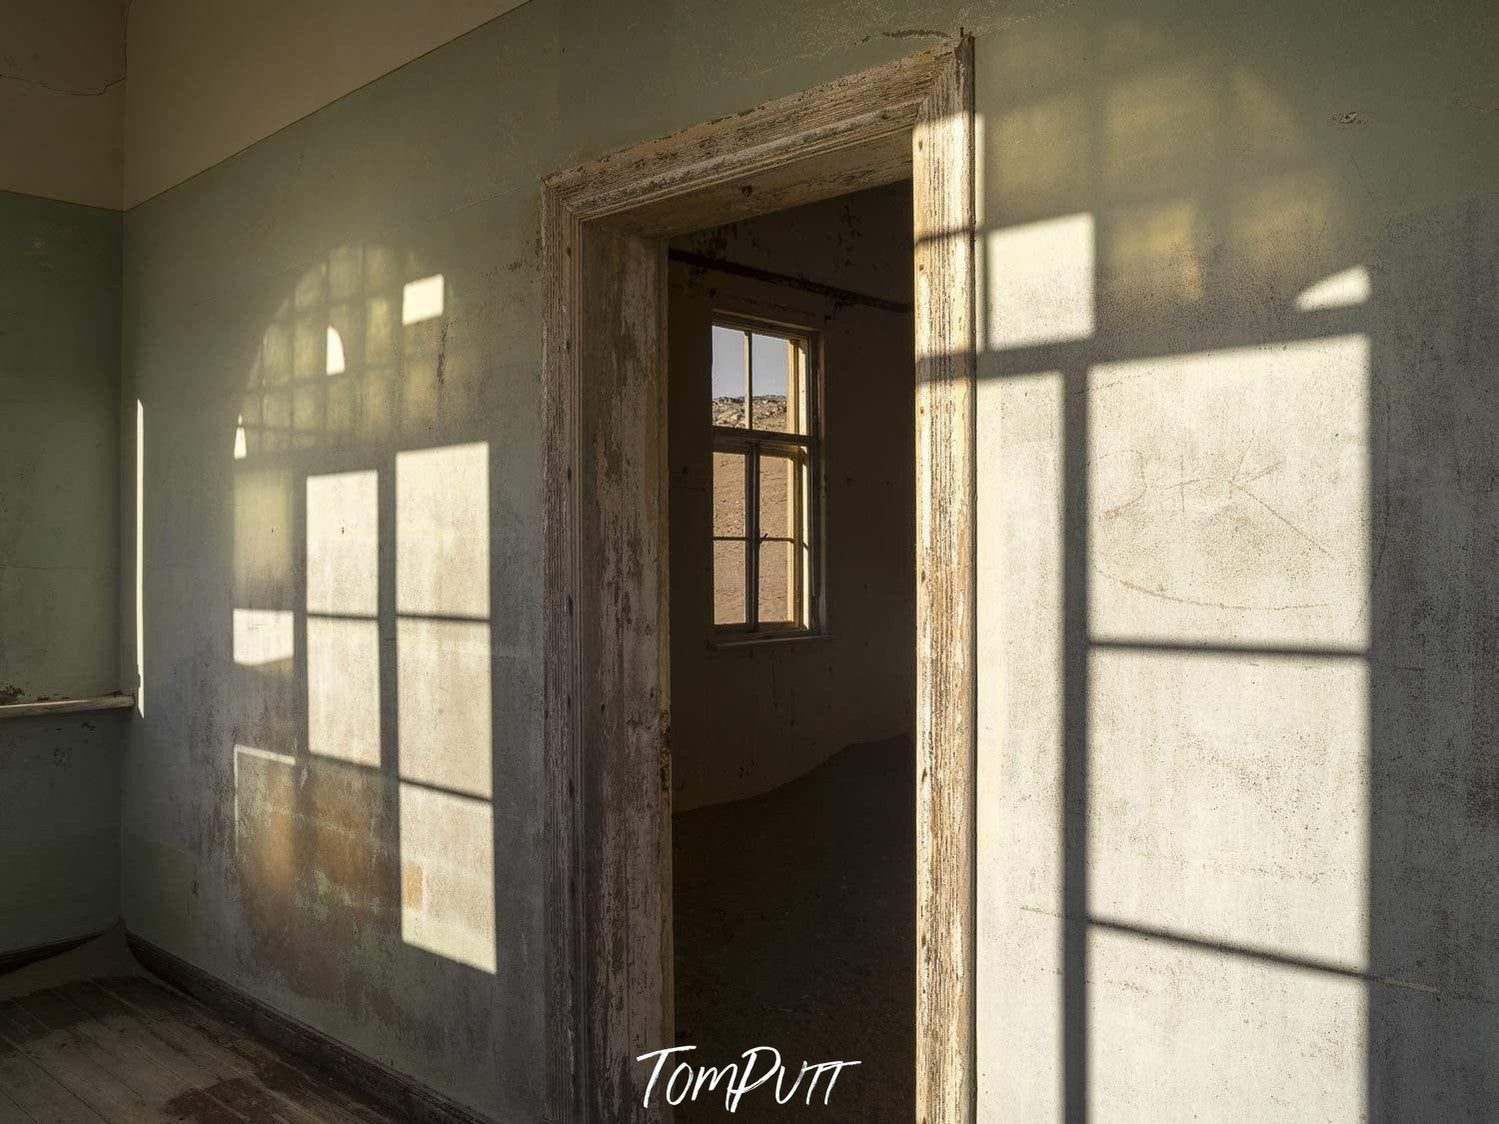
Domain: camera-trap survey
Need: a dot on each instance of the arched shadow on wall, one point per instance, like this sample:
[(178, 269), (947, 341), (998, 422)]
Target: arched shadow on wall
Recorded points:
[(370, 811)]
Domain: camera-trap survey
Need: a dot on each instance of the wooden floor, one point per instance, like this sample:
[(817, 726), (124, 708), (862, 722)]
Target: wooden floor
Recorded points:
[(127, 1049)]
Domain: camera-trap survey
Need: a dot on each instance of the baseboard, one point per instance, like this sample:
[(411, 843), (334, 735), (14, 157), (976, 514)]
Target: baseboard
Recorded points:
[(10, 961), (407, 1098)]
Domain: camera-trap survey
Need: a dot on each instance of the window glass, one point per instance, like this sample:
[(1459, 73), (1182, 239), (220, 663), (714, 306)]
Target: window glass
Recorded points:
[(729, 383), (777, 593), (770, 369), (728, 582), (728, 495), (778, 496)]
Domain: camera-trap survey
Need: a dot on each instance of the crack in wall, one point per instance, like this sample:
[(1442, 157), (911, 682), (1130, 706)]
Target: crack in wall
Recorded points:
[(100, 92)]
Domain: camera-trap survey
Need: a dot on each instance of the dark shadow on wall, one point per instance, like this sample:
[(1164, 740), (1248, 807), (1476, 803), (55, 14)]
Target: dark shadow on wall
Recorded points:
[(1433, 1018), (1267, 358)]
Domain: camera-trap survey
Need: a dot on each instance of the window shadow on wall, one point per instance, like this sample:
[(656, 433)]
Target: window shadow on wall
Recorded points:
[(375, 657), (1236, 592)]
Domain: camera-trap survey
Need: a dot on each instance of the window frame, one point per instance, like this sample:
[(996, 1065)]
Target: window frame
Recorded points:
[(749, 442)]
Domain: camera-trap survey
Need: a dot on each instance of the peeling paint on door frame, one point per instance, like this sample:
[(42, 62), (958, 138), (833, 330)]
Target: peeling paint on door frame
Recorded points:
[(608, 812)]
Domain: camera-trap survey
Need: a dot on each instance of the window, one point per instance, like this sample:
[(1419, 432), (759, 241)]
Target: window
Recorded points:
[(765, 449)]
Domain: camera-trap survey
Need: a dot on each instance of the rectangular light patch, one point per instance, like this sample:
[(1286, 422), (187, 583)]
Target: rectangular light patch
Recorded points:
[(1041, 282), (343, 515), (262, 636), (447, 875), (422, 300)]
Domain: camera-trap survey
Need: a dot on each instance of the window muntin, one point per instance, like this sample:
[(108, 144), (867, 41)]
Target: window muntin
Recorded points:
[(765, 452)]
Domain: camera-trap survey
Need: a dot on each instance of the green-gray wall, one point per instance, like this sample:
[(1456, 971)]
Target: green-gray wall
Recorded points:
[(1247, 874), (59, 566)]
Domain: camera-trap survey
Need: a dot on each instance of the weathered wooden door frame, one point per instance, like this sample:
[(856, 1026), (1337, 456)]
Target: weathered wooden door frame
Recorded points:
[(607, 726)]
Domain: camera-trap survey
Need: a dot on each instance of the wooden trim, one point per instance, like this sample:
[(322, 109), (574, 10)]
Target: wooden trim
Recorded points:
[(407, 1098), (67, 706), (942, 188), (607, 735), (567, 1069), (21, 957), (843, 136)]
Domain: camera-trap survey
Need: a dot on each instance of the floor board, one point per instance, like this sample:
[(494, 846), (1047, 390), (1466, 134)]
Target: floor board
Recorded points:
[(125, 1050)]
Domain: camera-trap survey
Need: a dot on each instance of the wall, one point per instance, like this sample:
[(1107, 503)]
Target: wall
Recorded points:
[(286, 791), (749, 718), (1237, 405), (1252, 848), (59, 602)]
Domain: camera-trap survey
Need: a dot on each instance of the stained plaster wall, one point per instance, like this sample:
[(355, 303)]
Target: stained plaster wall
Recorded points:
[(751, 717), (59, 576), (1211, 880)]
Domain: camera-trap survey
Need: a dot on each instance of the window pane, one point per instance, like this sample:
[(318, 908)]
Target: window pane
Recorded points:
[(728, 377), (777, 583), (770, 358), (728, 582), (728, 494), (777, 496)]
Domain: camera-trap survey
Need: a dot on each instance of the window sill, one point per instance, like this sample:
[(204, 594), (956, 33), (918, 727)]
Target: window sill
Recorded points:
[(66, 706), (764, 640)]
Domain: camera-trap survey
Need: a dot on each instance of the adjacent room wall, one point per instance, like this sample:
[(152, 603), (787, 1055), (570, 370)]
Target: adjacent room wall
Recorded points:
[(61, 67), (751, 717), (59, 592)]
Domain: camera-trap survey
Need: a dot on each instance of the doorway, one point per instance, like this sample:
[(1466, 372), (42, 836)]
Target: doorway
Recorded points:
[(608, 724), (791, 510)]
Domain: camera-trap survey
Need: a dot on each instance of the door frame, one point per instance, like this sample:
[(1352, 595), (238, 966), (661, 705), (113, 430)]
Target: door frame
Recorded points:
[(607, 754)]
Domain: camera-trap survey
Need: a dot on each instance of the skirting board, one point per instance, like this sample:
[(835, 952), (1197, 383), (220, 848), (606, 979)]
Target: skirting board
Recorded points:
[(407, 1098), (10, 961)]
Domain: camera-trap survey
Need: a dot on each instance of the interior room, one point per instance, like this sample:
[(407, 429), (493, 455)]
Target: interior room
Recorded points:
[(793, 768), (605, 560)]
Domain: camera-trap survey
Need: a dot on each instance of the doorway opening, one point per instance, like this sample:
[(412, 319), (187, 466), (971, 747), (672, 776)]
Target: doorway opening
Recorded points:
[(607, 600), (791, 509)]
